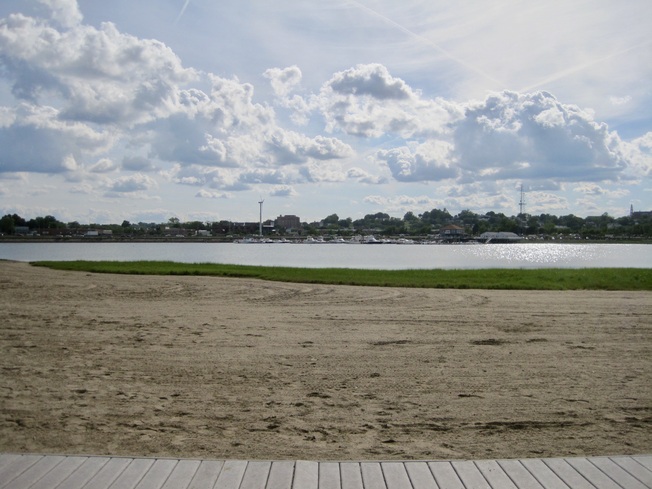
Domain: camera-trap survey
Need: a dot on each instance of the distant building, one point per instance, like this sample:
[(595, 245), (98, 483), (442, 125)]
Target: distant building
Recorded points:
[(500, 237), (288, 222), (452, 230)]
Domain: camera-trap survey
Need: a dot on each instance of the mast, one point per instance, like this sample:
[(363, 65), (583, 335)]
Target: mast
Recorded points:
[(260, 221)]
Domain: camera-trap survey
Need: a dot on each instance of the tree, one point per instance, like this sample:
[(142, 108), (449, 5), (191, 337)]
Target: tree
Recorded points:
[(47, 222), (7, 224), (409, 217), (331, 220), (345, 223)]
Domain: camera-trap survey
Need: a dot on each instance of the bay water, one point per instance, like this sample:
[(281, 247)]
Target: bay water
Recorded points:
[(366, 256)]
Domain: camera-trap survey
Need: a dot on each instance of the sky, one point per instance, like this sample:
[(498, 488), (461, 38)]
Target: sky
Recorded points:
[(199, 109)]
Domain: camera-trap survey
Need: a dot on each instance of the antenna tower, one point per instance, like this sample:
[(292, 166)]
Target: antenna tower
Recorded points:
[(521, 204), (260, 221)]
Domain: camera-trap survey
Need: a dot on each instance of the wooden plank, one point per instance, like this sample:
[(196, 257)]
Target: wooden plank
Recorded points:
[(543, 474), (445, 475), (16, 467), (108, 473), (396, 477), (644, 460), (89, 468), (329, 475), (470, 475), (231, 474), (619, 475), (638, 471), (372, 475), (35, 472), (280, 475), (207, 474), (255, 476), (351, 475), (494, 474), (40, 472), (420, 475), (7, 458), (306, 475), (182, 474), (521, 477), (133, 473), (591, 473), (567, 473), (59, 473), (157, 474)]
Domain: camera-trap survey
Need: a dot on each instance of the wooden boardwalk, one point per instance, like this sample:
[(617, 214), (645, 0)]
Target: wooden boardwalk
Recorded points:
[(75, 472)]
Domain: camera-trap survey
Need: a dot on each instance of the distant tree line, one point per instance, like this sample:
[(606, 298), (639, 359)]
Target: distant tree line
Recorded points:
[(636, 225), (428, 223)]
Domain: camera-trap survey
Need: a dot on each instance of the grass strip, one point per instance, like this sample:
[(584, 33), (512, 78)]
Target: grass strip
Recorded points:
[(497, 278)]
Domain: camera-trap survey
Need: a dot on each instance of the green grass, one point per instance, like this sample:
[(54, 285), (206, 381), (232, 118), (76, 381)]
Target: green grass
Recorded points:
[(509, 279)]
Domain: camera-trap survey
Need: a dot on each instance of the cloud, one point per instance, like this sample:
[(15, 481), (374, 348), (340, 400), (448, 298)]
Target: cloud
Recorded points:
[(592, 189), (401, 204), (639, 152), (289, 147), (363, 176), (323, 171), (367, 101), (430, 161), (283, 80), (283, 191), (104, 165), (36, 139), (211, 194), (533, 135), (100, 75), (65, 12), (263, 175), (132, 183), (372, 80)]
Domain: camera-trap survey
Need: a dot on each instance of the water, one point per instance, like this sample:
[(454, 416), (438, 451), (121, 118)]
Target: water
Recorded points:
[(385, 256)]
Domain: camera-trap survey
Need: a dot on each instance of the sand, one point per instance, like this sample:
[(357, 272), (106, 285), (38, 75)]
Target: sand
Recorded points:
[(247, 369)]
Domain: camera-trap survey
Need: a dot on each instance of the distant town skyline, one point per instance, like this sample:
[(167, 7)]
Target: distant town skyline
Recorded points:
[(200, 110)]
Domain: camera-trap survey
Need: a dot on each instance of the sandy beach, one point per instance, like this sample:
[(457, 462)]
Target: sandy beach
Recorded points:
[(247, 369)]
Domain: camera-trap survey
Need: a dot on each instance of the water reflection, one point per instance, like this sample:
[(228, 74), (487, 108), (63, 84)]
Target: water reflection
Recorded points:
[(538, 255)]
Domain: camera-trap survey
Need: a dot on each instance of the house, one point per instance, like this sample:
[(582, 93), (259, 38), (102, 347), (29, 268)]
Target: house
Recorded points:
[(451, 232)]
